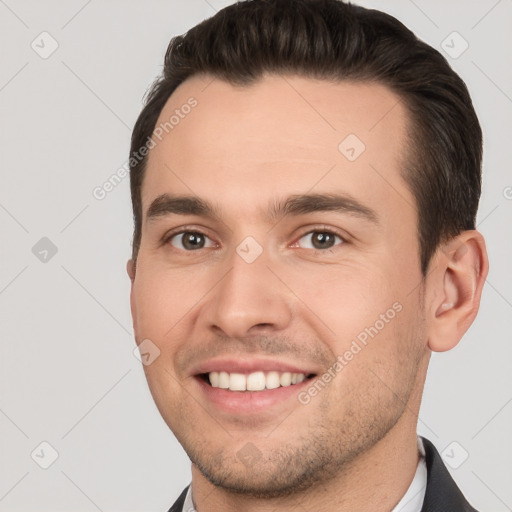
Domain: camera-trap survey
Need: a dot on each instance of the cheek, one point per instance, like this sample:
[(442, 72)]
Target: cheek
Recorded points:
[(370, 314), (163, 301), (162, 298), (347, 297), (377, 363)]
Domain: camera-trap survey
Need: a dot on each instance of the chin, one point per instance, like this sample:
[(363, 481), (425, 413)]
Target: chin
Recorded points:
[(275, 474)]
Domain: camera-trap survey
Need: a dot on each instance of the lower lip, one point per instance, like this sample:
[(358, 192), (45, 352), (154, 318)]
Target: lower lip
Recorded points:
[(245, 402)]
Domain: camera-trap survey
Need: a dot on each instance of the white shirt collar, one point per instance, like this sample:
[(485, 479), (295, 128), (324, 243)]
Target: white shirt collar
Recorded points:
[(412, 501)]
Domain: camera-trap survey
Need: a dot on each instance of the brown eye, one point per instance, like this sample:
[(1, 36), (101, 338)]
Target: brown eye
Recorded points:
[(320, 240), (189, 240)]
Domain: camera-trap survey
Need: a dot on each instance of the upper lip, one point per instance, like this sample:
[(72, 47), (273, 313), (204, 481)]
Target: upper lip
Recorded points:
[(249, 365)]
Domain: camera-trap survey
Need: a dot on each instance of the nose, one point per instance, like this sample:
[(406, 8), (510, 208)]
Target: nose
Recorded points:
[(248, 300)]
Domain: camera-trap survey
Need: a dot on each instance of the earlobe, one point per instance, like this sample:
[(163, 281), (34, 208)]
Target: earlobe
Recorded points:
[(130, 269), (462, 266)]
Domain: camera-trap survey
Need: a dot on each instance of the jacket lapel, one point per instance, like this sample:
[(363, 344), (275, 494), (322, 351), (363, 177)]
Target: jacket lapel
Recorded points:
[(442, 494), (178, 504)]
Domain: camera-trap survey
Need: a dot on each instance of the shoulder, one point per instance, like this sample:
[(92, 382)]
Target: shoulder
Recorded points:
[(442, 493)]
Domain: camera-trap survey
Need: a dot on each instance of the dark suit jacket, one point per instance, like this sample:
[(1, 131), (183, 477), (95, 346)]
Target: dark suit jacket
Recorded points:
[(441, 495)]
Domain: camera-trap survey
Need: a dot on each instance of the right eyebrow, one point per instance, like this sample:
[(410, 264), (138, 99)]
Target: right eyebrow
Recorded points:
[(166, 204)]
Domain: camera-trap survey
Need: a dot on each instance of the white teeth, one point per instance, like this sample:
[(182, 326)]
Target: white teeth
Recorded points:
[(272, 381), (237, 382), (214, 379), (285, 379), (255, 381), (224, 380)]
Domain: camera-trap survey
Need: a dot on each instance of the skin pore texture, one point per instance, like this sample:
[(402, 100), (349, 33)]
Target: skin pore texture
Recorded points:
[(298, 304)]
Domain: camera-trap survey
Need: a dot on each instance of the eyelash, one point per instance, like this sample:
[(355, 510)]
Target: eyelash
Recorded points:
[(323, 230), (317, 229)]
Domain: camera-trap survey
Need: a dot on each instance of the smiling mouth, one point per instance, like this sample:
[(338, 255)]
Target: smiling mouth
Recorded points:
[(255, 381)]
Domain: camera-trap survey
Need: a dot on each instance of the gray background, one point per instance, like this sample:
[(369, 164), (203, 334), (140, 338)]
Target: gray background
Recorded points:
[(68, 374)]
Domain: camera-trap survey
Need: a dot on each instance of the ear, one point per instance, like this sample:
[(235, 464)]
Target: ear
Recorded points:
[(461, 266), (130, 269)]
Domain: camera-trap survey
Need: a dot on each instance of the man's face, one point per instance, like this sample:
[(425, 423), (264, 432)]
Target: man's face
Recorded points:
[(258, 291)]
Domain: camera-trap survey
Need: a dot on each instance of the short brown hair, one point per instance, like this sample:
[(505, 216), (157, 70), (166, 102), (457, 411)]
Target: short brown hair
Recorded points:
[(334, 40)]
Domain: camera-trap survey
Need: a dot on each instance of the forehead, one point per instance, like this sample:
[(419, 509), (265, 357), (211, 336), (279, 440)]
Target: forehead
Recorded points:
[(280, 135)]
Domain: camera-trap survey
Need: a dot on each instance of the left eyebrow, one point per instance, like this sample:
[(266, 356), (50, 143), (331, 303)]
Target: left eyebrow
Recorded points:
[(310, 203)]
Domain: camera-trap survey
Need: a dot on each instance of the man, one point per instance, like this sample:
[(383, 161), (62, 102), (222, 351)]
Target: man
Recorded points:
[(305, 177)]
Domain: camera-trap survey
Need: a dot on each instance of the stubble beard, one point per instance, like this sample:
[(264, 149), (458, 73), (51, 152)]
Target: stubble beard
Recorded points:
[(323, 454)]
